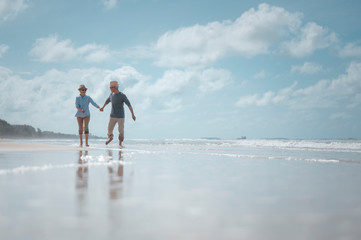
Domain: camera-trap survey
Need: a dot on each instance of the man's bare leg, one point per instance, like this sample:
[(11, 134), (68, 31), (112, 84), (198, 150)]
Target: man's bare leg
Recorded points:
[(110, 138)]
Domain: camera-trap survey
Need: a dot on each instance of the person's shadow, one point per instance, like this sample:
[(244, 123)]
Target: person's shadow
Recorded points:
[(116, 174)]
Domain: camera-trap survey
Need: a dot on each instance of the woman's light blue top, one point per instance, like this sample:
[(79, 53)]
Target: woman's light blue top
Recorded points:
[(83, 103)]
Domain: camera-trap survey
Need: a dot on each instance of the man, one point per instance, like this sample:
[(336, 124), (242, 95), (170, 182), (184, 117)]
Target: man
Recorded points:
[(117, 99)]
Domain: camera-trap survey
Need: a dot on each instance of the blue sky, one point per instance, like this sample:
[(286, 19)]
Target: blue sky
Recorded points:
[(216, 68)]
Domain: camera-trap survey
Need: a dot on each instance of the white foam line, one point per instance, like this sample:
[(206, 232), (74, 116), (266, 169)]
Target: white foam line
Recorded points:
[(130, 150), (23, 169), (275, 157)]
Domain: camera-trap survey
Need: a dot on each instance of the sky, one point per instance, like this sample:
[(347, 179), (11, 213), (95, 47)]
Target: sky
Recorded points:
[(190, 68)]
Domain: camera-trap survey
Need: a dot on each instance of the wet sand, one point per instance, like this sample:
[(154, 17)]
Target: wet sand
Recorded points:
[(177, 191)]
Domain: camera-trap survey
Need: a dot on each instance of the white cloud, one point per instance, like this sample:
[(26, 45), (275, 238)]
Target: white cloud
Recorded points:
[(311, 38), (255, 100), (173, 81), (177, 81), (324, 94), (109, 4), (260, 75), (3, 49), (9, 9), (264, 30), (356, 102), (214, 79), (307, 68), (172, 106), (94, 52), (51, 49), (253, 33), (268, 98), (330, 93), (351, 50), (341, 116)]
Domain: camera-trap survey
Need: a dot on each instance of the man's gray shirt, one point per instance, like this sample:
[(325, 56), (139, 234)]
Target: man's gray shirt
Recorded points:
[(117, 100)]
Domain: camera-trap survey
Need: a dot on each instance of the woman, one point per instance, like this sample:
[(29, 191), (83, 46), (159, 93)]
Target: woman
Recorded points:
[(83, 114)]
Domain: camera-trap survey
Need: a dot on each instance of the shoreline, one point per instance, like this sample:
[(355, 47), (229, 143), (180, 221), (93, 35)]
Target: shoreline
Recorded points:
[(6, 146)]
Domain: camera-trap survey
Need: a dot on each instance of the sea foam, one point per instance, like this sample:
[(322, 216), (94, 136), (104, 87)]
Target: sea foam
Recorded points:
[(89, 160)]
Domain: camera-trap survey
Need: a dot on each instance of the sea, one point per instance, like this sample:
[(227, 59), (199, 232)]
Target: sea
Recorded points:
[(183, 189)]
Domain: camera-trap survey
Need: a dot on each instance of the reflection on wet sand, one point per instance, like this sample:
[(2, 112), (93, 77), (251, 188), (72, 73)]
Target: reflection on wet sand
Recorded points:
[(82, 177), (116, 173)]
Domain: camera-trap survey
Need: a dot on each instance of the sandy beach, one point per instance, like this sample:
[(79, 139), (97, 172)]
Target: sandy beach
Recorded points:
[(180, 189), (8, 146)]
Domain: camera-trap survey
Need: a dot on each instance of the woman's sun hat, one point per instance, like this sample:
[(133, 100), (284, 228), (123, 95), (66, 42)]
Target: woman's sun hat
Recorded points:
[(82, 86)]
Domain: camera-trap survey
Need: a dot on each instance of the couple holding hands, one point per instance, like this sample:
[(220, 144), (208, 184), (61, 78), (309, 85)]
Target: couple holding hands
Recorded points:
[(117, 99)]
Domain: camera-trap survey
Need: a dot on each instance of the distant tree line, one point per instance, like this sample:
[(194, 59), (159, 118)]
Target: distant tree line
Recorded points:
[(26, 131)]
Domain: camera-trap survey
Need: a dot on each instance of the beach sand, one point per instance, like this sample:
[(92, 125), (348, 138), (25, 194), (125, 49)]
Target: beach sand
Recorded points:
[(177, 190), (6, 146)]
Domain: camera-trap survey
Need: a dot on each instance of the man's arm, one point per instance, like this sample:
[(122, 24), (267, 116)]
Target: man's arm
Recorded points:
[(131, 110), (102, 108), (106, 103), (126, 101)]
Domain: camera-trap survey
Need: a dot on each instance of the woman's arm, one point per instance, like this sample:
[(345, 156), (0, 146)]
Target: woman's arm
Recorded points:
[(77, 105), (93, 103)]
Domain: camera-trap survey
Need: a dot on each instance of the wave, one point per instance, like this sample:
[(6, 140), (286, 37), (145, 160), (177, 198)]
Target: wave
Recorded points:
[(306, 145), (289, 158), (336, 145)]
